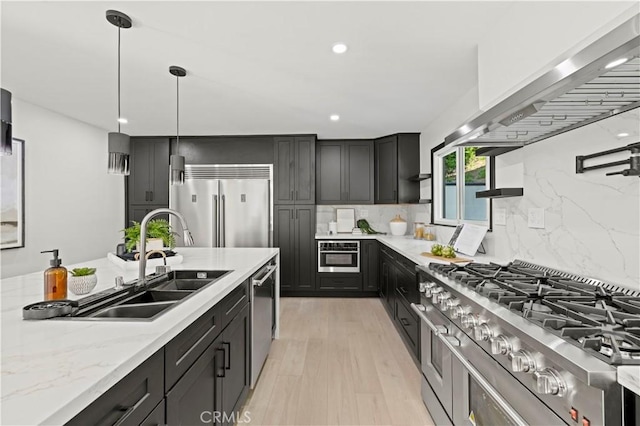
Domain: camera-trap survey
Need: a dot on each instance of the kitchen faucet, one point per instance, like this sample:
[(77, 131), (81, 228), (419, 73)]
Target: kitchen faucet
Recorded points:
[(188, 239)]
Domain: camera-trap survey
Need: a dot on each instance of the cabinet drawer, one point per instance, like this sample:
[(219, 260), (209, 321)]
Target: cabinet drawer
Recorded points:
[(233, 303), (156, 417), (130, 400), (409, 324), (407, 286), (406, 264), (340, 283), (186, 347)]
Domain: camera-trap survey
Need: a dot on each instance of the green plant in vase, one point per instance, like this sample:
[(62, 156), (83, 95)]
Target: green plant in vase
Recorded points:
[(156, 228), (82, 280)]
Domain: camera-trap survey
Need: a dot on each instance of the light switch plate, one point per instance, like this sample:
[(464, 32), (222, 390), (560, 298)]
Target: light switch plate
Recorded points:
[(536, 218), (499, 216)]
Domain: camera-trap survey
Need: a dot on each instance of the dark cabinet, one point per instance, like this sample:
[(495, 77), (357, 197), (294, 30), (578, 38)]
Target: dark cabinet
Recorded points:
[(387, 279), (234, 380), (148, 183), (192, 400), (294, 170), (294, 234), (369, 266), (156, 418), (129, 401), (344, 172), (397, 159)]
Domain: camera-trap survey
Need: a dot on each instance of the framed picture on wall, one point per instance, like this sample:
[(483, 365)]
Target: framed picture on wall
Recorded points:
[(12, 197)]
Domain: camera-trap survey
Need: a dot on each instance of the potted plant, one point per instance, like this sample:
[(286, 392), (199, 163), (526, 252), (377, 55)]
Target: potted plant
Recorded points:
[(82, 280), (159, 235)]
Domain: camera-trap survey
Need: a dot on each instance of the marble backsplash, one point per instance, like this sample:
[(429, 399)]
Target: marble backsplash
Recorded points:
[(378, 215)]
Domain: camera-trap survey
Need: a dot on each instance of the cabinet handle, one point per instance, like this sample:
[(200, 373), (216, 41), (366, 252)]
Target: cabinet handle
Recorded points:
[(129, 410), (218, 350), (404, 322), (227, 356), (151, 195), (402, 290), (297, 196)]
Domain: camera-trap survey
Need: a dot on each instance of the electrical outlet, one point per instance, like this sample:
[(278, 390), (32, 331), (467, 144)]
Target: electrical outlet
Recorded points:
[(364, 213), (500, 217), (536, 218)]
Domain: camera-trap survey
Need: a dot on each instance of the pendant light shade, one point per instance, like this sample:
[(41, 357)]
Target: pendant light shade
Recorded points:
[(5, 117), (176, 162), (119, 143)]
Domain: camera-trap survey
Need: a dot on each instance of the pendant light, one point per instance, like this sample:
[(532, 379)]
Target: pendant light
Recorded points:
[(119, 143), (5, 117), (176, 162)]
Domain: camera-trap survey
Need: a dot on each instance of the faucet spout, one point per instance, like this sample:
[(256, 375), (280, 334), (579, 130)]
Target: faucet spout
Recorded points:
[(188, 238)]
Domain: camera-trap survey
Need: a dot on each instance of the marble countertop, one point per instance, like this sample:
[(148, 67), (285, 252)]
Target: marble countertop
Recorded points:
[(629, 377), (408, 246), (53, 369)]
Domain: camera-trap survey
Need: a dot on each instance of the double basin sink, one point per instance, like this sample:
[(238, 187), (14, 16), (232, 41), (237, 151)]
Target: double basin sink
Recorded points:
[(148, 301)]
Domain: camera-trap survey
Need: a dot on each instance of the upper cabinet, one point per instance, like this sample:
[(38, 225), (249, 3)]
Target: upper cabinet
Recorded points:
[(294, 170), (397, 161), (148, 183), (344, 172)]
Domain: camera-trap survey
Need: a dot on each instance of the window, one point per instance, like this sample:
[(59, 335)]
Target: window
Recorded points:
[(458, 173)]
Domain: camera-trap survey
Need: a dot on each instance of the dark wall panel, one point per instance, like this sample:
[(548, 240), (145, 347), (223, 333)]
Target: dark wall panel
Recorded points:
[(226, 149)]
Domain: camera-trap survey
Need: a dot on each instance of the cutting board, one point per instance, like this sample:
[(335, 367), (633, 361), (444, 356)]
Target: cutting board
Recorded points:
[(446, 259)]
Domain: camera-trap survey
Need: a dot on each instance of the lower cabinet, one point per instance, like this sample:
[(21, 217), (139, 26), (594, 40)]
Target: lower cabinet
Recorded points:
[(369, 264), (129, 401), (293, 232), (200, 377)]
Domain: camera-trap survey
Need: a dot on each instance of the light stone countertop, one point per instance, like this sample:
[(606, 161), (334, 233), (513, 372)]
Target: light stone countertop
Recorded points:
[(53, 369), (409, 247), (629, 377)]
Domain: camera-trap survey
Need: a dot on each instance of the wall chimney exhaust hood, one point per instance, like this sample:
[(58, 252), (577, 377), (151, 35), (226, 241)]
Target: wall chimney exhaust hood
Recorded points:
[(599, 81)]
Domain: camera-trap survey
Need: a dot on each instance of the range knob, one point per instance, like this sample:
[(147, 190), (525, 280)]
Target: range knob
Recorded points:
[(522, 362), (443, 298), (431, 292), (439, 297), (549, 382), (456, 311), (500, 345), (468, 320), (482, 332), (448, 304), (425, 285)]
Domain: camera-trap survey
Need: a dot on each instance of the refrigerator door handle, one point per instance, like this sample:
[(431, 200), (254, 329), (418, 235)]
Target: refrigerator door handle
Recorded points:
[(223, 223), (216, 222)]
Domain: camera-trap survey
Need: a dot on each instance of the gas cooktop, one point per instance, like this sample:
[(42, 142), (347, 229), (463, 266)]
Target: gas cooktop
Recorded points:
[(601, 319)]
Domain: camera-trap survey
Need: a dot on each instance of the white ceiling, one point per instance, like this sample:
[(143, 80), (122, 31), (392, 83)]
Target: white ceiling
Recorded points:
[(253, 67)]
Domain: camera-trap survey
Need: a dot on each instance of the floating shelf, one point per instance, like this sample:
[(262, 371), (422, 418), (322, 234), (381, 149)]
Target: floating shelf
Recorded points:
[(500, 193), (424, 201), (494, 151), (420, 177)]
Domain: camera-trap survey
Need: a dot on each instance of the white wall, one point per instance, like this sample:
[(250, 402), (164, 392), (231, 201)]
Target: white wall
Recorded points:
[(533, 37), (71, 203)]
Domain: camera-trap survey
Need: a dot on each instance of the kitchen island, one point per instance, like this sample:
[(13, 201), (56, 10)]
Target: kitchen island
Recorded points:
[(53, 369)]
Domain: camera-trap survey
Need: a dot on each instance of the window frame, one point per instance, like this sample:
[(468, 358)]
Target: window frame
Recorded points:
[(437, 184)]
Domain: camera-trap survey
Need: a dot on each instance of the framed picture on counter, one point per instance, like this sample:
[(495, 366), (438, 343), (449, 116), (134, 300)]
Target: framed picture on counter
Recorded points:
[(12, 197)]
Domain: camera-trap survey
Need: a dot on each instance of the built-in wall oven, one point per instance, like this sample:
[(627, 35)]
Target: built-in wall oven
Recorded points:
[(339, 256)]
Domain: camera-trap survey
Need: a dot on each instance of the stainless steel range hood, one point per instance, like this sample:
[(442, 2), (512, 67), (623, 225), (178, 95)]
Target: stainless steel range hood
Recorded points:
[(581, 90)]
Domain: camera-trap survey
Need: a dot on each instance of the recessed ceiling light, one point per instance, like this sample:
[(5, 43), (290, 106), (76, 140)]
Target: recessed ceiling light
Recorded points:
[(123, 120), (339, 48), (334, 117), (616, 63), (622, 134)]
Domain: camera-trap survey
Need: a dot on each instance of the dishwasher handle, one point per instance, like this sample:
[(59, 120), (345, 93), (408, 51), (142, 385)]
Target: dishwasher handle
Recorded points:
[(257, 282)]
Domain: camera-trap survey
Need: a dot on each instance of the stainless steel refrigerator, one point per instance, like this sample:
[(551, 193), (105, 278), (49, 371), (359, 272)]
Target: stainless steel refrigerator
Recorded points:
[(226, 205)]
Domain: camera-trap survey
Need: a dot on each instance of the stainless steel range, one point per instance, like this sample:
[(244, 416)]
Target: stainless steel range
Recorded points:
[(523, 344)]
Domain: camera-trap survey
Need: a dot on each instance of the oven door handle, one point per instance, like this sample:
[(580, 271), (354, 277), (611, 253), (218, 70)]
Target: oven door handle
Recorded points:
[(424, 318)]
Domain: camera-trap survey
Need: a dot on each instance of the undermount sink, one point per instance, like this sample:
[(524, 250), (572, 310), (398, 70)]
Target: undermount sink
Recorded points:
[(159, 294), (142, 311)]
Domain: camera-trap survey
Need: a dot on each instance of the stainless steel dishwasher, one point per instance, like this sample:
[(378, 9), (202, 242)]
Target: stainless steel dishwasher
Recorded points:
[(262, 317)]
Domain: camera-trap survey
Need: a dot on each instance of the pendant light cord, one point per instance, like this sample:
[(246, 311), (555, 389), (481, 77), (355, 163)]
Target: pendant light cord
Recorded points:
[(177, 113), (119, 79)]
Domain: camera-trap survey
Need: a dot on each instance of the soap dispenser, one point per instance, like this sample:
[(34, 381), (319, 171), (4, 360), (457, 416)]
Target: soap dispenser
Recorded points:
[(55, 278)]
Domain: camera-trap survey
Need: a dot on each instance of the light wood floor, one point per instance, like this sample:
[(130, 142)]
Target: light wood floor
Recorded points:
[(337, 362)]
